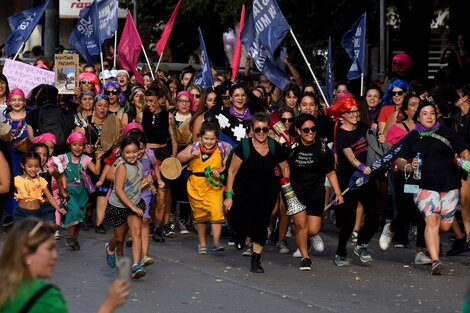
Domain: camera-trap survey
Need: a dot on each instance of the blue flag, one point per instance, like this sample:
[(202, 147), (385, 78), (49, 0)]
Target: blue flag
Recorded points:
[(354, 42), (329, 82), (261, 55), (85, 37), (22, 25), (270, 25), (108, 18), (204, 78)]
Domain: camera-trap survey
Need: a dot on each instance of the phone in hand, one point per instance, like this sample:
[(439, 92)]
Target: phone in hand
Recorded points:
[(124, 267)]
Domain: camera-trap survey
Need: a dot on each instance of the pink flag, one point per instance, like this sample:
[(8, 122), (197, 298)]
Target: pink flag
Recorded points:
[(161, 44), (129, 47), (238, 47)]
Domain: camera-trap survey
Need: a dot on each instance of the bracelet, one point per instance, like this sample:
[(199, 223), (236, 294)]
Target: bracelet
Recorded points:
[(407, 175), (361, 167), (229, 194)]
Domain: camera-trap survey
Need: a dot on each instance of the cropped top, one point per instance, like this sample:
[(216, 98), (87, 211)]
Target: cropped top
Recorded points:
[(156, 126), (29, 189)]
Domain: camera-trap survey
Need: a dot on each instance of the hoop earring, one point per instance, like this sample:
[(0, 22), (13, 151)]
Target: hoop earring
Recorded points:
[(29, 262)]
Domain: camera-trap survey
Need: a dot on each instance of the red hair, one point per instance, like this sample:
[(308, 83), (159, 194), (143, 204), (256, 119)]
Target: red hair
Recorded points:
[(343, 105)]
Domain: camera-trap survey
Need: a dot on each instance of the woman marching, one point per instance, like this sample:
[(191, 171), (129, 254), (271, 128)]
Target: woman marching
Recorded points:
[(207, 159), (253, 187)]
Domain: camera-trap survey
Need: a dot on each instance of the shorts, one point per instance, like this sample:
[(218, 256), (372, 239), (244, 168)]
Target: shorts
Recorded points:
[(433, 202), (117, 216), (46, 212), (316, 210)]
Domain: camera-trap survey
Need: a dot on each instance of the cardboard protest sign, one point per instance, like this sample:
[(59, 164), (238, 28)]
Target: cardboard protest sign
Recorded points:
[(25, 76), (66, 73)]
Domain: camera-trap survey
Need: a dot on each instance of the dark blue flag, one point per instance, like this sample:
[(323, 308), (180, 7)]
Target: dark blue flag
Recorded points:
[(329, 82), (85, 37), (261, 55), (270, 25), (354, 42), (108, 18), (204, 78), (22, 25)]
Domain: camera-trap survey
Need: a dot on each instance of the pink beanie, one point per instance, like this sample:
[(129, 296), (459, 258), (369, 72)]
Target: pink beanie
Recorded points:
[(131, 126), (191, 98), (16, 92), (46, 137), (76, 137), (403, 60), (94, 80)]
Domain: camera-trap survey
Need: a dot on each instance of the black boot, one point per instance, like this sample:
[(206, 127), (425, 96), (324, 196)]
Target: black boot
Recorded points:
[(256, 263)]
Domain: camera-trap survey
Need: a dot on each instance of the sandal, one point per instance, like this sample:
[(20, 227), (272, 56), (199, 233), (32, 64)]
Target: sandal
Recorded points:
[(218, 247), (201, 249)]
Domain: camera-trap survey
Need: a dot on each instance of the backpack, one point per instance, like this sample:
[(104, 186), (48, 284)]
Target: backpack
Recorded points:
[(51, 119)]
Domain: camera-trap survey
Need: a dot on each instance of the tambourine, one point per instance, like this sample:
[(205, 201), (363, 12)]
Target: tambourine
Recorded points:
[(171, 168), (111, 132)]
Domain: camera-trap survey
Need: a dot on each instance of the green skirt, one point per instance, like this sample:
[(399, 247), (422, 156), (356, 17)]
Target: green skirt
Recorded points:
[(76, 206)]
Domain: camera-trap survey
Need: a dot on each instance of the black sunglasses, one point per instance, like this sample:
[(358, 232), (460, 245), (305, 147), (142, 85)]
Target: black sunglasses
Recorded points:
[(287, 120), (397, 93), (85, 82), (225, 97), (259, 130), (197, 96), (109, 92), (307, 130)]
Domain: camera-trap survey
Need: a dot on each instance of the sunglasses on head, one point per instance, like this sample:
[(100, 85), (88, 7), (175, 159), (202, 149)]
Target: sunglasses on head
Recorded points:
[(307, 130), (197, 96), (287, 120), (113, 92), (225, 97), (259, 130), (85, 82), (397, 93)]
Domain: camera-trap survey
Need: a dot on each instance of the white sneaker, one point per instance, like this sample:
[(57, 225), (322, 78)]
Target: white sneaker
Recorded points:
[(422, 259), (297, 254), (386, 237), (282, 247), (182, 228), (317, 243), (289, 232), (57, 235)]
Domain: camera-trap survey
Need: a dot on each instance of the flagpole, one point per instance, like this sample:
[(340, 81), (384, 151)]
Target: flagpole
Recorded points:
[(102, 67), (309, 67), (115, 46), (333, 202), (148, 62), (362, 84), (159, 60), (18, 52)]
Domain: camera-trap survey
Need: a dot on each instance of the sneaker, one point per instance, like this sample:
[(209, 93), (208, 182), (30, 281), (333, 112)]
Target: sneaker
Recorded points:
[(305, 264), (100, 230), (168, 231), (218, 247), (354, 236), (182, 228), (437, 267), (386, 237), (289, 232), (248, 251), (297, 254), (129, 241), (422, 259), (317, 243), (201, 249), (459, 246), (282, 246), (72, 243), (146, 261), (157, 236), (137, 271), (362, 252), (110, 256), (57, 235), (341, 261)]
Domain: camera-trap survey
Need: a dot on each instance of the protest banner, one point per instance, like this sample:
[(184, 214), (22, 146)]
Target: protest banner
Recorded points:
[(66, 73), (25, 76)]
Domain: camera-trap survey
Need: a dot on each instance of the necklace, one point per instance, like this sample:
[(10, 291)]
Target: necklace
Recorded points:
[(75, 179), (154, 118)]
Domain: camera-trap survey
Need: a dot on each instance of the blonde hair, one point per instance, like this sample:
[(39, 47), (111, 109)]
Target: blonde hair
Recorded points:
[(22, 240)]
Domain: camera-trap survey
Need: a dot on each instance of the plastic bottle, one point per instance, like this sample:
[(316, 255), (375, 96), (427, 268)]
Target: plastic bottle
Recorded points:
[(417, 171)]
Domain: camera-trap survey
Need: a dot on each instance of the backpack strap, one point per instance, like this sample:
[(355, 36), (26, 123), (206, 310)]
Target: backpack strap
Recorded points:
[(272, 146), (28, 305), (246, 148)]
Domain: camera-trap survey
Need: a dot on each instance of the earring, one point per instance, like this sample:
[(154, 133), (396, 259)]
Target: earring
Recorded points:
[(29, 261)]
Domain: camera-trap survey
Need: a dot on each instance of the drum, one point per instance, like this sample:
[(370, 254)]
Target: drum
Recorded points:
[(171, 168), (111, 132), (24, 145)]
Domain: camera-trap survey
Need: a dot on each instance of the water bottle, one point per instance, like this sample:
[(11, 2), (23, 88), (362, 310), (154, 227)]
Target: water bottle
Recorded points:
[(417, 171)]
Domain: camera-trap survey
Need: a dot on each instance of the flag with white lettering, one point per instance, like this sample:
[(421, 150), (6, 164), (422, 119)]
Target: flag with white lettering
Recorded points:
[(108, 18), (329, 82), (354, 42), (270, 25), (204, 78), (85, 37), (261, 55), (22, 25)]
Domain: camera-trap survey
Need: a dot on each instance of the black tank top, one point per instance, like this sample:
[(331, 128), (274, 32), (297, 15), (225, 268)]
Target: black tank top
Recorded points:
[(156, 126)]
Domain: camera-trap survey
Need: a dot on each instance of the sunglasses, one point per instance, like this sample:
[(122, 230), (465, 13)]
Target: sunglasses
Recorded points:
[(225, 97), (397, 93), (197, 96), (113, 92), (307, 130), (259, 130), (287, 120), (85, 82)]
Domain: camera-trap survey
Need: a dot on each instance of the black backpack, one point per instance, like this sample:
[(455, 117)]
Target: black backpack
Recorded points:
[(51, 119)]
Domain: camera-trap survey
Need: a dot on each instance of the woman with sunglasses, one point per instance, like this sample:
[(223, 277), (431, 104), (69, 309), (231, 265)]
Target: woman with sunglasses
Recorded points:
[(196, 92), (88, 81), (253, 187), (391, 102), (116, 98), (309, 163)]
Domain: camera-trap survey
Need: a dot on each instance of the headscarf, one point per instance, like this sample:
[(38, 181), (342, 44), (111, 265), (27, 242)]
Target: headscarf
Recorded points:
[(101, 96), (191, 98), (122, 96), (131, 126), (91, 77), (45, 137), (76, 137), (16, 92)]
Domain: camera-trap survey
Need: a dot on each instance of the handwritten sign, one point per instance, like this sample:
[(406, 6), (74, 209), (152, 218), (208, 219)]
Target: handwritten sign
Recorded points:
[(66, 73), (25, 76)]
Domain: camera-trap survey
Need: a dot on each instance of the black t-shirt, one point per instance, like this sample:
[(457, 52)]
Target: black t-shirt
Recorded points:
[(156, 126), (357, 141), (308, 167), (438, 172)]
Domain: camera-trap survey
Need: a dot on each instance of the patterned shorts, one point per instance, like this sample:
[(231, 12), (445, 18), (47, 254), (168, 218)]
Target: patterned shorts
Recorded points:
[(116, 216), (432, 202)]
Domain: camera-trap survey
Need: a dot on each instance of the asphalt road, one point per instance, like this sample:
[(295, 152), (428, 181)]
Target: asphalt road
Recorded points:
[(183, 281)]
